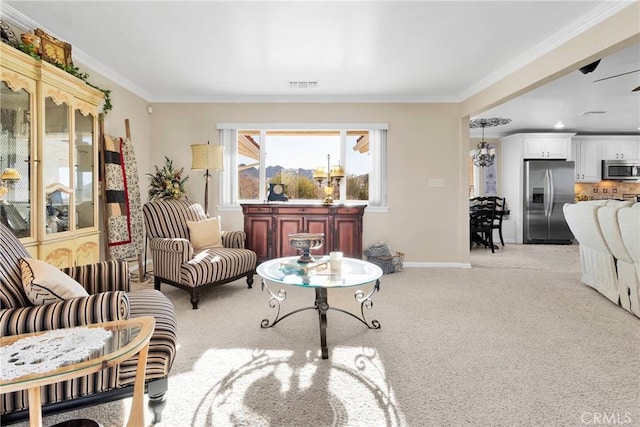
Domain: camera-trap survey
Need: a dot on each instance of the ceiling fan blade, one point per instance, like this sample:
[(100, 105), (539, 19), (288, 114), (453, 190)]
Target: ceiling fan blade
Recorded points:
[(617, 75)]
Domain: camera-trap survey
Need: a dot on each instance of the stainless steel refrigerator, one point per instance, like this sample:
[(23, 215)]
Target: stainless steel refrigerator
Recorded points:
[(548, 185)]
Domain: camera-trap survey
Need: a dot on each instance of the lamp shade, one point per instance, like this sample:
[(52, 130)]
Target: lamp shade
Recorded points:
[(10, 174), (206, 156)]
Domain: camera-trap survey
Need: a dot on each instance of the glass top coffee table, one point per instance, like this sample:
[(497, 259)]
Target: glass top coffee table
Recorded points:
[(111, 343), (354, 272)]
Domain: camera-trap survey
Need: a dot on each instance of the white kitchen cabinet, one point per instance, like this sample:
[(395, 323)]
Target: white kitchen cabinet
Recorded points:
[(620, 149), (586, 153), (540, 146)]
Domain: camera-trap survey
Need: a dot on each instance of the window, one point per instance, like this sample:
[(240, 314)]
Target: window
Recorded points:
[(256, 156), (473, 178), (482, 180)]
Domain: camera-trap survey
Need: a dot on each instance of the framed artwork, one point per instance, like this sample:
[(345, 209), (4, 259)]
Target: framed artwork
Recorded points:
[(54, 50), (32, 39)]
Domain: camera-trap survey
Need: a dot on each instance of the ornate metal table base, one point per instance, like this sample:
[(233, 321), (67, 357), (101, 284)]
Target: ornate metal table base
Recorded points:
[(322, 306)]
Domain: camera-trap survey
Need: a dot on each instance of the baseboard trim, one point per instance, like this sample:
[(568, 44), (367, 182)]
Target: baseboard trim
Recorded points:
[(133, 265), (437, 265)]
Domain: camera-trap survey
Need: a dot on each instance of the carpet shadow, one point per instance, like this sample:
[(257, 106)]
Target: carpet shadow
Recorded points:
[(274, 388)]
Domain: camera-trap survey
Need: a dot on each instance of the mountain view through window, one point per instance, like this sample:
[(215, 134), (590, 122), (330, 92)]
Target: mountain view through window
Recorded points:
[(291, 157)]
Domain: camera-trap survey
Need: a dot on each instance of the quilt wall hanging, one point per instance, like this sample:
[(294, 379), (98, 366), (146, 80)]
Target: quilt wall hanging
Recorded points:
[(123, 207)]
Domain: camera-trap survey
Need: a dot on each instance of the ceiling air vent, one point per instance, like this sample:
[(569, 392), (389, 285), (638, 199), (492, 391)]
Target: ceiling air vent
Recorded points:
[(303, 85)]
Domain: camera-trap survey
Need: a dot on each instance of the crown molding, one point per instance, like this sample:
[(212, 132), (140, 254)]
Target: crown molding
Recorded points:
[(88, 61), (305, 99)]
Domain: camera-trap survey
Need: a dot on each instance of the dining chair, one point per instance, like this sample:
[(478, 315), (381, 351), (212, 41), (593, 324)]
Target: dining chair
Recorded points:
[(481, 221), (497, 222), (495, 202)]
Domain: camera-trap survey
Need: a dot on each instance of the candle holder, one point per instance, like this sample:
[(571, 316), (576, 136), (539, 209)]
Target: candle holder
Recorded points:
[(329, 177)]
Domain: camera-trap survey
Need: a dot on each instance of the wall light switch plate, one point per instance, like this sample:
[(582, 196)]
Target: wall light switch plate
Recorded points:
[(436, 182)]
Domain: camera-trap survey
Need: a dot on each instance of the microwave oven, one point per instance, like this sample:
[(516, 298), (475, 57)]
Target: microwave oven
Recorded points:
[(621, 169)]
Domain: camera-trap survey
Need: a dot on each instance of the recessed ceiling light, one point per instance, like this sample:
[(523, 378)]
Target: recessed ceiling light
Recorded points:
[(558, 125)]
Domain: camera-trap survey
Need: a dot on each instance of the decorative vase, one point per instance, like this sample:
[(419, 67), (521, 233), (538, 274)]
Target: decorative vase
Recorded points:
[(305, 242)]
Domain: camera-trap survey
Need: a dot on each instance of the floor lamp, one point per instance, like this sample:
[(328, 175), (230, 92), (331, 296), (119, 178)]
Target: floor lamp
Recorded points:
[(207, 157)]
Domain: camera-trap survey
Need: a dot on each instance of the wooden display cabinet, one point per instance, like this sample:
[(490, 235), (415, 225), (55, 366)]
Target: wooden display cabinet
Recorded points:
[(268, 226), (49, 123)]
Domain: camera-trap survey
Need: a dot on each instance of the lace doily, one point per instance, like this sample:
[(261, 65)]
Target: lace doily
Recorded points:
[(46, 352)]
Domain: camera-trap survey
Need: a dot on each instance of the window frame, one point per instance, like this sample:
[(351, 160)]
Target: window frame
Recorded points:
[(228, 185)]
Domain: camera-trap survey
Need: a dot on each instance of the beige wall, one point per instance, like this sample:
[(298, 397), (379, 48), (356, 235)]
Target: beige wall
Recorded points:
[(126, 105), (423, 143)]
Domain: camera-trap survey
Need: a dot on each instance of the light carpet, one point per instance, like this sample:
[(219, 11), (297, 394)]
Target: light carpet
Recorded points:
[(514, 341)]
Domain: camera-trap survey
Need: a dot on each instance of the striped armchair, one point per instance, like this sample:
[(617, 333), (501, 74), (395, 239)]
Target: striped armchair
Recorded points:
[(110, 298), (175, 261)]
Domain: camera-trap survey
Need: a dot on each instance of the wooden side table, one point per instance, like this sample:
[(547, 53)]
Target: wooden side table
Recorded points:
[(128, 338)]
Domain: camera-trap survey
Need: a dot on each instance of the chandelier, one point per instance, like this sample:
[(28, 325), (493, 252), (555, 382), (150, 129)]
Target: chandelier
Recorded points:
[(483, 155)]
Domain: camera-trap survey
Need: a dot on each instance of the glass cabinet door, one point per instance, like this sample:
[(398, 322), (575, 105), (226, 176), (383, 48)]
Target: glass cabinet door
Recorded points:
[(84, 167), (15, 160), (56, 167)]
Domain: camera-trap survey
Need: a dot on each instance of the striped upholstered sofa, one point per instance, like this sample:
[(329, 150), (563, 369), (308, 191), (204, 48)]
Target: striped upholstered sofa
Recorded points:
[(176, 261), (110, 298)]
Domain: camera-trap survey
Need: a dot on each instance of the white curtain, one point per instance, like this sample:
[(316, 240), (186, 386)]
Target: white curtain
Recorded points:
[(229, 183), (378, 174)]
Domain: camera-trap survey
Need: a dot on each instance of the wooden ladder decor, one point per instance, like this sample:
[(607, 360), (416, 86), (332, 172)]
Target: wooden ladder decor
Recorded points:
[(103, 196)]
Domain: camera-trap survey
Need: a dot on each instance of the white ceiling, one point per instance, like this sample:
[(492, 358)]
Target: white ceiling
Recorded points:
[(357, 51)]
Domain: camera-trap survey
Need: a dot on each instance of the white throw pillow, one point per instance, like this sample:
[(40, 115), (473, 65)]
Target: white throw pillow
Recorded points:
[(44, 284), (205, 234)]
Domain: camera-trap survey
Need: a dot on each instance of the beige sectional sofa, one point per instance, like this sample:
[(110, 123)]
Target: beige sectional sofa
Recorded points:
[(609, 236)]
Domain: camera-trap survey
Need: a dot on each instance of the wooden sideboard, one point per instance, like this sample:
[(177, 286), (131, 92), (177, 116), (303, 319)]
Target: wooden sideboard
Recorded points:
[(268, 225)]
